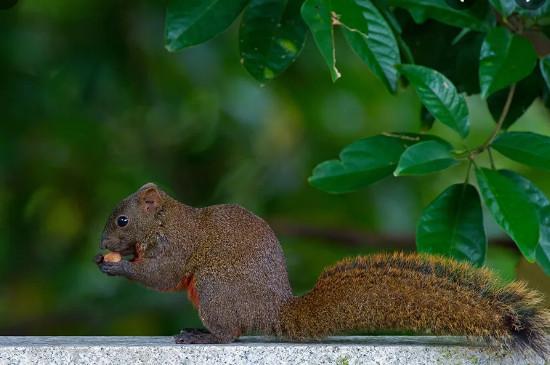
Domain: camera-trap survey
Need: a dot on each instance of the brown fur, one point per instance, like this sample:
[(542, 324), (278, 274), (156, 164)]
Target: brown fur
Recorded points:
[(234, 269)]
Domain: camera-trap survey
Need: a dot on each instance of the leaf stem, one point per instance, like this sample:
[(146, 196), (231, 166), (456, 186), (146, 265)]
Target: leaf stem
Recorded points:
[(504, 113), (491, 160), (503, 116), (467, 180)]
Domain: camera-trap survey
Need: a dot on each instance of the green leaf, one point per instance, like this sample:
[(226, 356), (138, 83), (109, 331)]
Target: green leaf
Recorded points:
[(504, 7), (452, 225), (425, 157), (540, 201), (511, 209), (440, 97), (190, 22), (318, 17), (526, 147), (476, 18), (361, 163), (545, 69), (505, 58), (527, 90), (271, 36), (543, 249), (369, 35)]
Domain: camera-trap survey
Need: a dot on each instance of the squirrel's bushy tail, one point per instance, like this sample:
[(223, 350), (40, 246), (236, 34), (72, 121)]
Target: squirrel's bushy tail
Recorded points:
[(421, 294)]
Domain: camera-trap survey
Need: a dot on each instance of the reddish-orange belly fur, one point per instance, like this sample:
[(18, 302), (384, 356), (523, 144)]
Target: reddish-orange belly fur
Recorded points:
[(188, 284)]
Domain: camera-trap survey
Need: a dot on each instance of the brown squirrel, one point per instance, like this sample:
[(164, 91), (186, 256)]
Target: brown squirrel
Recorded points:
[(233, 268)]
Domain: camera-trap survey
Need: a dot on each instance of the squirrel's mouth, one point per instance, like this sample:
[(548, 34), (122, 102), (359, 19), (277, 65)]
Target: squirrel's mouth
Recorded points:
[(130, 253)]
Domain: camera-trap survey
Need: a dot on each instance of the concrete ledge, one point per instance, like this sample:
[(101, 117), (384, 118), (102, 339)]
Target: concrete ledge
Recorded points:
[(409, 350)]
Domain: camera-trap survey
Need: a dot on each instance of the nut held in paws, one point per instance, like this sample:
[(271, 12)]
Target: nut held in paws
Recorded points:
[(112, 257)]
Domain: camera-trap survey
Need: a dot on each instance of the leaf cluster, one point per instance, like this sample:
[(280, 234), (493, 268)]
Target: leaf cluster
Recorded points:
[(446, 53)]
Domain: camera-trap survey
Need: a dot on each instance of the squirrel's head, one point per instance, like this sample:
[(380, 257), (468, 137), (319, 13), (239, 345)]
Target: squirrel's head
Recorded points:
[(133, 220)]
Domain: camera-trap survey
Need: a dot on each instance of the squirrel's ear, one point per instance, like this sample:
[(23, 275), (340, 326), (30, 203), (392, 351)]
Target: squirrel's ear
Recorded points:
[(149, 197)]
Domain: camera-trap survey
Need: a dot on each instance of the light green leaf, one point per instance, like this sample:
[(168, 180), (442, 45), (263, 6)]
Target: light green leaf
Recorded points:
[(439, 96), (370, 36), (271, 36), (526, 147), (505, 58), (425, 157), (452, 225), (318, 16), (476, 18), (511, 209), (361, 163), (540, 201), (190, 22)]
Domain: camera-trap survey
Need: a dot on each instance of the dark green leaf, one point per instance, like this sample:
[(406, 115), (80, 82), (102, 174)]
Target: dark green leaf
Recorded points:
[(318, 17), (511, 209), (543, 249), (433, 48), (271, 36), (529, 148), (475, 18), (539, 200), (505, 58), (425, 157), (190, 22), (361, 163), (452, 225), (527, 90), (545, 69), (370, 36), (440, 97), (504, 7), (541, 13)]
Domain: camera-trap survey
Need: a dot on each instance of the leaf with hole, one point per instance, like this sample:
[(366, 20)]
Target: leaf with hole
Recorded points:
[(452, 225), (511, 209), (271, 36), (439, 96), (425, 157), (370, 36), (318, 16), (190, 22), (505, 58), (540, 201), (526, 147)]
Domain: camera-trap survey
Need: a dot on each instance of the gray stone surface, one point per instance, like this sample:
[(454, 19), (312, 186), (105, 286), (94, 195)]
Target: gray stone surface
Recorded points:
[(255, 350)]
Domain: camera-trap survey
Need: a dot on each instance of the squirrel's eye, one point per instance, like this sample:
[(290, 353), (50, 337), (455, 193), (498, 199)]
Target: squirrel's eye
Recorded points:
[(122, 221)]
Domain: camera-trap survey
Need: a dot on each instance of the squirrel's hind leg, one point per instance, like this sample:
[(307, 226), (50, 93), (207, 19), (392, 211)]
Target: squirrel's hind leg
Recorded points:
[(199, 336)]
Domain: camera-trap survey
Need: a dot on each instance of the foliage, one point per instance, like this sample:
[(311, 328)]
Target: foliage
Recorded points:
[(494, 37)]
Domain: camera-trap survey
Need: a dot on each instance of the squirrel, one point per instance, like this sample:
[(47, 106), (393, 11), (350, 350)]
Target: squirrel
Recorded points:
[(233, 268)]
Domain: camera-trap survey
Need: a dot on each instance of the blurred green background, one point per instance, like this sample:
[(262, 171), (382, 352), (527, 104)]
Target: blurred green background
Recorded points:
[(92, 107)]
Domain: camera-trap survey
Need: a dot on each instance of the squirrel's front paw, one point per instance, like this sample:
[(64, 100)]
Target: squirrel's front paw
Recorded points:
[(112, 268)]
